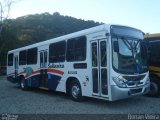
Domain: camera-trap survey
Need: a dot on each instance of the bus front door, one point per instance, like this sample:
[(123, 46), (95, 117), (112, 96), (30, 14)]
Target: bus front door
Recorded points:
[(99, 68), (43, 69)]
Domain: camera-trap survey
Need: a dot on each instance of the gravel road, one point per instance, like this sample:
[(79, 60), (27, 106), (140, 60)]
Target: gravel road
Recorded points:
[(15, 101)]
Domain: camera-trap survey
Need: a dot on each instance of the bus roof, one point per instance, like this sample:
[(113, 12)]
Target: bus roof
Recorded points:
[(152, 35), (65, 37)]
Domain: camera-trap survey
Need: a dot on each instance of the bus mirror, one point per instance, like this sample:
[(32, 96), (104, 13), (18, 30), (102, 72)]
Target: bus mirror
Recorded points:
[(116, 46)]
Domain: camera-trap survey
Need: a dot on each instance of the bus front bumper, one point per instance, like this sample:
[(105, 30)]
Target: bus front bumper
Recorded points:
[(122, 93)]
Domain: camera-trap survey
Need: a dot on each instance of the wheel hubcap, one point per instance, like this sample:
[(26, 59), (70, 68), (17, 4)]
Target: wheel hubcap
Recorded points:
[(75, 91), (22, 84)]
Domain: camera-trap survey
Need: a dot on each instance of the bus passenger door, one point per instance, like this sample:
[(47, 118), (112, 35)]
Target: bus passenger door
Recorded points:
[(99, 67), (43, 69), (16, 67)]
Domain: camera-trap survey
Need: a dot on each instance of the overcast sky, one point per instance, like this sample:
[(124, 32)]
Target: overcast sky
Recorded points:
[(141, 14)]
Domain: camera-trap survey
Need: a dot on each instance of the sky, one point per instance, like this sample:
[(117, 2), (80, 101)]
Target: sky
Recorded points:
[(141, 14)]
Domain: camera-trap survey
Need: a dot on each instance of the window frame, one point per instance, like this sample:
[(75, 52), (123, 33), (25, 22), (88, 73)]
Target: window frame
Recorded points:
[(10, 63), (74, 42), (22, 57), (36, 56), (54, 51)]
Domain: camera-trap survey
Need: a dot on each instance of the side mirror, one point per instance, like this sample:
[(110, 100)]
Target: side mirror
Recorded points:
[(116, 46)]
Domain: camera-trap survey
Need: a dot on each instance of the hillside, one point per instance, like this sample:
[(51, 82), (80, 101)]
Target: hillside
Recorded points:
[(31, 29)]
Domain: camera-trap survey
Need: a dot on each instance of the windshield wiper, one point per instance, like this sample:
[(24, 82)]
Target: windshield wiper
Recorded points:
[(134, 49), (132, 45)]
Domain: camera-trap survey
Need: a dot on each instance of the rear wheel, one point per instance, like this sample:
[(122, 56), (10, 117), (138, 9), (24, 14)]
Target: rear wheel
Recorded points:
[(23, 84), (75, 91)]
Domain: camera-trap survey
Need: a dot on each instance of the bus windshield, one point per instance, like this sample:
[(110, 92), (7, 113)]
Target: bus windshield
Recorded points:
[(130, 56)]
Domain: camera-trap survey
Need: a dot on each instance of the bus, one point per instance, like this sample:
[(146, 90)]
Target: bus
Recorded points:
[(153, 43), (104, 62)]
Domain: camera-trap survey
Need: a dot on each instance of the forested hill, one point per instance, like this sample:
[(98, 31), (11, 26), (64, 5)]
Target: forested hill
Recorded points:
[(31, 29)]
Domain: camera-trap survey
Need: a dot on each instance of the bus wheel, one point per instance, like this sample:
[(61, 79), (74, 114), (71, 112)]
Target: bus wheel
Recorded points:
[(154, 89), (75, 91), (23, 84)]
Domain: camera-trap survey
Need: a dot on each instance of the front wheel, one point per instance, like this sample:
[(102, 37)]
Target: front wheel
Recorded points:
[(154, 88), (75, 92)]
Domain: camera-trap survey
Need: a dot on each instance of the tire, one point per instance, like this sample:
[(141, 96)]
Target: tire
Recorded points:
[(154, 88), (23, 84), (75, 92)]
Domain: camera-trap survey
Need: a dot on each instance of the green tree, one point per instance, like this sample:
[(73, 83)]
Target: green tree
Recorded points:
[(31, 29)]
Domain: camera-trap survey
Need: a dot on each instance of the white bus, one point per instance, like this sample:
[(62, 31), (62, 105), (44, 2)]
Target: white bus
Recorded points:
[(106, 62)]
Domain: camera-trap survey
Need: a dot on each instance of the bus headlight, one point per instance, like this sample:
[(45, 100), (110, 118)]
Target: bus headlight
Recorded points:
[(120, 81)]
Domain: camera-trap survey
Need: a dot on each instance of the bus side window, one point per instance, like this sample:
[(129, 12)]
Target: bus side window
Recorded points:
[(22, 57), (76, 49), (32, 56), (10, 59), (57, 52)]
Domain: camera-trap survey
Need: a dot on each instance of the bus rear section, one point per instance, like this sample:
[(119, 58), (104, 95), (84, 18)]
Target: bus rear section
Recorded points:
[(105, 62), (153, 44)]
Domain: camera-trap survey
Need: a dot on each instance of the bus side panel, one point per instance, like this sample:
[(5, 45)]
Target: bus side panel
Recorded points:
[(59, 82), (32, 75), (55, 79)]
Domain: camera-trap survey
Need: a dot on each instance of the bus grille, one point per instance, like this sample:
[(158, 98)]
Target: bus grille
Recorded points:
[(134, 91), (133, 81), (134, 78)]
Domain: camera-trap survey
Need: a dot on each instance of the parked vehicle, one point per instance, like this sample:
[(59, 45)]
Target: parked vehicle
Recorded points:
[(106, 62), (153, 43)]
